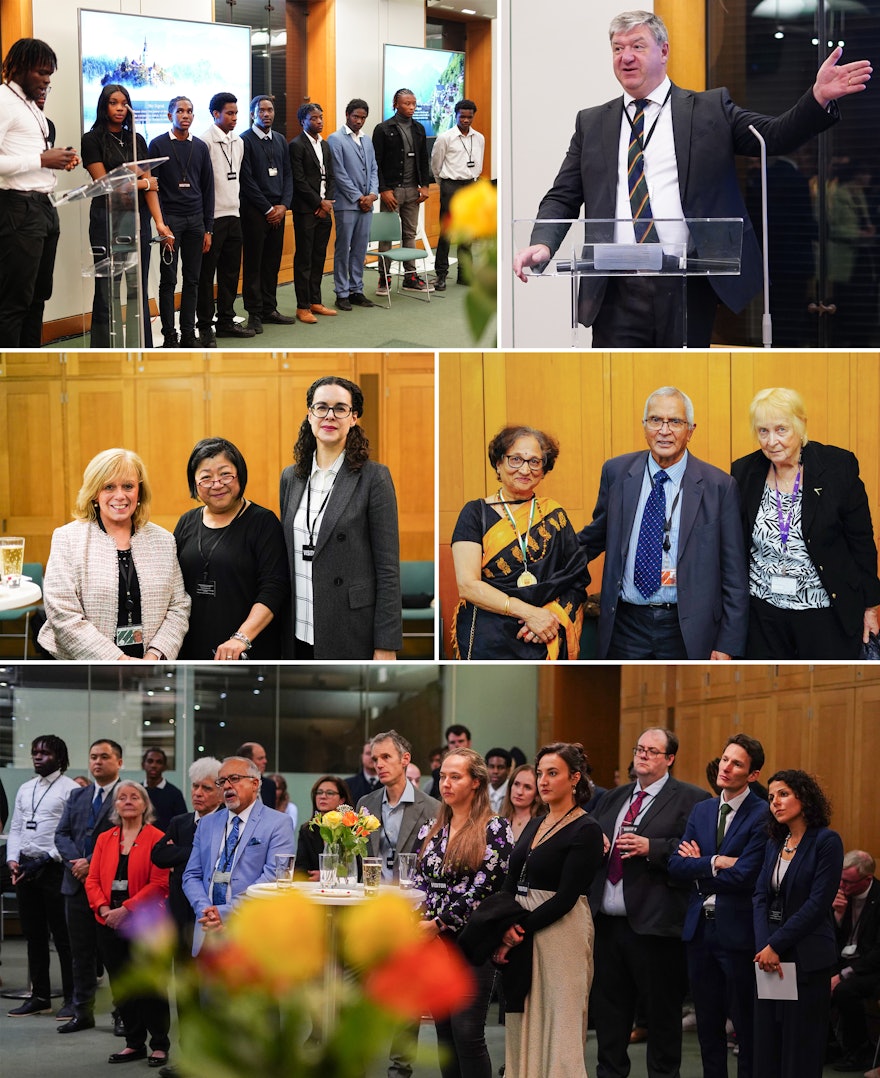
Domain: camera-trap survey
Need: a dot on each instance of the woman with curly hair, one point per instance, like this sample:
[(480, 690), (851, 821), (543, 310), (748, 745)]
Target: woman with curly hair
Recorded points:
[(794, 923), (339, 514)]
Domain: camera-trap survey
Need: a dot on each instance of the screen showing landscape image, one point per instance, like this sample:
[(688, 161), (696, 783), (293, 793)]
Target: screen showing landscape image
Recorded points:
[(435, 76), (158, 59)]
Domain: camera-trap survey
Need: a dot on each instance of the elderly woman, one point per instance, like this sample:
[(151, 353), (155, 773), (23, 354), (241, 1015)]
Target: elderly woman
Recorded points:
[(122, 879), (813, 561), (113, 588), (328, 793), (339, 514), (794, 922), (521, 574), (233, 559)]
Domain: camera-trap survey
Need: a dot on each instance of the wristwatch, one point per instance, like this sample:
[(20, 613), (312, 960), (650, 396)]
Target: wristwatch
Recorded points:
[(240, 636)]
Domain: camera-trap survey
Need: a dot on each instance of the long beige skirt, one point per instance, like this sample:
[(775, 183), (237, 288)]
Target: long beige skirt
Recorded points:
[(548, 1039)]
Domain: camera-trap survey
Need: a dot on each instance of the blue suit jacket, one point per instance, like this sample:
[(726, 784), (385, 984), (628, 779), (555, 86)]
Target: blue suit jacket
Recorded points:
[(72, 832), (807, 933), (266, 833), (355, 176), (746, 840), (713, 592)]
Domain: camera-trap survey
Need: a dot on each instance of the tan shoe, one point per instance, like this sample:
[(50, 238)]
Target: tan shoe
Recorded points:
[(305, 315), (319, 308)]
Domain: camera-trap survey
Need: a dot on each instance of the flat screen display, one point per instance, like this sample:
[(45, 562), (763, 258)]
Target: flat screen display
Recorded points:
[(158, 59), (435, 76)]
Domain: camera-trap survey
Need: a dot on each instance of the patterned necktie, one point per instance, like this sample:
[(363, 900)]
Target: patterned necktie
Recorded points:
[(218, 891), (722, 825), (615, 861), (643, 218), (649, 549)]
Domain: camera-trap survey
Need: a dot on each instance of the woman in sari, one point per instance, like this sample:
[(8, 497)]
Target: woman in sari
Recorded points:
[(521, 574)]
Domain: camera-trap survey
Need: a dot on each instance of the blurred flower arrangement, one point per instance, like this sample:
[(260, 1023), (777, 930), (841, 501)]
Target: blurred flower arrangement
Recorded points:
[(345, 831), (473, 220), (267, 996)]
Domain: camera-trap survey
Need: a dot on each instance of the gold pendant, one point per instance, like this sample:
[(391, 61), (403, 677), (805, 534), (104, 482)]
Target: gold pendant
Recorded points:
[(526, 579)]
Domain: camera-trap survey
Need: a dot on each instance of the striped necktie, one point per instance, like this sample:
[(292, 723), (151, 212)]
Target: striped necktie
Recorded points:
[(643, 218)]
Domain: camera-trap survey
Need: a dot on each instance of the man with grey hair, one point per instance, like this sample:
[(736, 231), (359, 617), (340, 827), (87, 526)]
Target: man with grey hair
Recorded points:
[(656, 156), (675, 581)]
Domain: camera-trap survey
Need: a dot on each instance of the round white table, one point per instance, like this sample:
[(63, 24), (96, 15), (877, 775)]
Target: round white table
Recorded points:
[(26, 594)]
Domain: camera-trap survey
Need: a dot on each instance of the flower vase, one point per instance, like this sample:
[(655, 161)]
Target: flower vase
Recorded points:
[(346, 870)]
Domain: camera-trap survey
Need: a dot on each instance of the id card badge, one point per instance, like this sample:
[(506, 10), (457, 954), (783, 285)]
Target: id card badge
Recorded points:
[(774, 914), (439, 887), (389, 861), (207, 588), (184, 185), (31, 825), (668, 572), (780, 584), (522, 888), (231, 175), (221, 877), (472, 164), (128, 635), (411, 153), (272, 170), (308, 551)]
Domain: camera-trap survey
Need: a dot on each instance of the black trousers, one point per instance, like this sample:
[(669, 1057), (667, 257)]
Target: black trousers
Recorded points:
[(29, 233), (263, 246), (224, 259), (646, 632), (41, 907), (441, 257), (82, 931), (103, 299), (312, 234), (791, 1035), (143, 1014), (461, 1038), (633, 969), (645, 312), (848, 1003), (798, 634), (189, 236)]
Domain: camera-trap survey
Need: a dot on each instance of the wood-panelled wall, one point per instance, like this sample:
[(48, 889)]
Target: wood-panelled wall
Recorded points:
[(57, 410), (593, 403)]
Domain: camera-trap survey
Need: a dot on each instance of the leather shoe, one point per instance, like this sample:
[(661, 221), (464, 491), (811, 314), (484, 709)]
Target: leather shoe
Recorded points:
[(305, 315), (207, 338), (31, 1006), (118, 1024), (319, 308), (233, 329), (360, 300), (171, 340), (639, 1035), (278, 319), (65, 1012), (189, 340), (343, 303), (440, 282), (255, 324), (128, 1057), (158, 1061), (81, 1021)]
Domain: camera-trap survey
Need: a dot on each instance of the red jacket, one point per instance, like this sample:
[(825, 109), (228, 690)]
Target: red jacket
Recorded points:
[(146, 882)]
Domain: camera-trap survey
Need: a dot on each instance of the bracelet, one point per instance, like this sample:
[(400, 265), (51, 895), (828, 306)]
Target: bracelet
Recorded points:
[(507, 606), (240, 636)]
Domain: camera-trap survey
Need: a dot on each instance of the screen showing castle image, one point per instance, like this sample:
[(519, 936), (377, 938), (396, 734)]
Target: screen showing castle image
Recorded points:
[(158, 59), (435, 76)]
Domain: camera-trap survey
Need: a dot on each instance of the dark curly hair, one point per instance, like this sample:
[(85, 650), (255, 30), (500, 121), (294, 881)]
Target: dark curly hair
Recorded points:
[(573, 755), (357, 445), (505, 438), (58, 748), (815, 805), (27, 54)]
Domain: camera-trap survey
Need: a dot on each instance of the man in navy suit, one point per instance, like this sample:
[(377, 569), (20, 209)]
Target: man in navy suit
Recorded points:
[(357, 188), (720, 855), (679, 591), (639, 913), (233, 849), (366, 780)]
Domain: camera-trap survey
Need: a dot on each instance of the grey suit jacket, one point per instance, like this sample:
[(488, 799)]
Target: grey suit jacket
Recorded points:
[(73, 833), (421, 811), (709, 131), (356, 568), (713, 593)]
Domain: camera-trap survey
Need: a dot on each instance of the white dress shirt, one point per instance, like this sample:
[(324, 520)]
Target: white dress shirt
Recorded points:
[(612, 896), (315, 141), (496, 797), (452, 151), (24, 136), (320, 484), (39, 801)]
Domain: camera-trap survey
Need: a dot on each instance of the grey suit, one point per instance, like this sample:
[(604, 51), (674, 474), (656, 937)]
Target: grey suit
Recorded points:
[(422, 810), (356, 567)]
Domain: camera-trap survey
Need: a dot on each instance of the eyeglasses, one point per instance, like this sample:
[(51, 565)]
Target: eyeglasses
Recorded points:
[(233, 779), (641, 750), (341, 411), (327, 793), (225, 480), (655, 423), (536, 464)]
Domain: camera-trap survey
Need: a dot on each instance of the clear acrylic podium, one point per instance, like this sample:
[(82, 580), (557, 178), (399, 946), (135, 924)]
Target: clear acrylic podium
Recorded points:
[(690, 247), (117, 267)]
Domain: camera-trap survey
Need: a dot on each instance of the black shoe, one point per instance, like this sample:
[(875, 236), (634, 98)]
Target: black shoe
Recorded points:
[(412, 282), (65, 1012), (360, 300), (343, 303), (82, 1021), (255, 323), (233, 329), (440, 282), (858, 1060), (118, 1024), (31, 1006), (188, 340), (171, 339), (128, 1057), (207, 339), (276, 318), (158, 1061)]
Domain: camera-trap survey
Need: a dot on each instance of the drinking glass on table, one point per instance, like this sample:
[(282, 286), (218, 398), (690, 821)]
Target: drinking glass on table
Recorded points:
[(11, 560), (406, 868), (284, 865), (327, 863), (372, 875)]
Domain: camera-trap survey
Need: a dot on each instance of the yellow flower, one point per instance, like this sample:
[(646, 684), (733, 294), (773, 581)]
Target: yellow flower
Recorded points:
[(370, 824), (332, 819), (474, 213), (372, 930)]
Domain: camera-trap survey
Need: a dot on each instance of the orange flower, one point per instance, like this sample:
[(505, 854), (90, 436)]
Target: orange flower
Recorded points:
[(350, 818), (430, 975)]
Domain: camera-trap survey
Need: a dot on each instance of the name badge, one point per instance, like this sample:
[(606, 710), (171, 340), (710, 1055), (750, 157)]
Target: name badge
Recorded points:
[(273, 171), (780, 584), (472, 164), (849, 950), (439, 886), (411, 153), (221, 877), (231, 175), (208, 588), (389, 861), (308, 552), (119, 885), (31, 825), (522, 888), (668, 576), (128, 635), (184, 185)]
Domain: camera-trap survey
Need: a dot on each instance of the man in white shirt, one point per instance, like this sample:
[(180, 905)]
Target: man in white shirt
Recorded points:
[(498, 763), (456, 161), (37, 873), (224, 256), (29, 228)]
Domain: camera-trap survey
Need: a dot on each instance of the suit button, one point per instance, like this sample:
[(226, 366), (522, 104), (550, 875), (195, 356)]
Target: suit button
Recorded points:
[(821, 568), (834, 595), (340, 538), (338, 581)]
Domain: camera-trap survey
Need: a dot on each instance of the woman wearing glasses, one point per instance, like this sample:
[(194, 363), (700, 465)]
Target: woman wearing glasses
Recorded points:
[(328, 793), (232, 555), (521, 574), (813, 586), (339, 514)]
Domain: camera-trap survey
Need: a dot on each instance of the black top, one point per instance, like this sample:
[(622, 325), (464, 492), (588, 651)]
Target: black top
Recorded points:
[(120, 895), (167, 803), (189, 162), (392, 149), (129, 605), (309, 845), (104, 147), (239, 565)]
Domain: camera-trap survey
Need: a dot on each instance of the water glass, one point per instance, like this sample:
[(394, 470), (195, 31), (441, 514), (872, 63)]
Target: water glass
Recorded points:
[(284, 865), (11, 560), (406, 868), (372, 875), (327, 863)]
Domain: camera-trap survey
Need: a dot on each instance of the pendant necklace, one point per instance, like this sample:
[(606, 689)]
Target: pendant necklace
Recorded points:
[(525, 578)]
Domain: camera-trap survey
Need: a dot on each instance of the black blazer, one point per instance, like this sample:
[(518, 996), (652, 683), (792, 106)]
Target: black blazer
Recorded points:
[(867, 961), (307, 174), (173, 852), (390, 149), (72, 834), (836, 525)]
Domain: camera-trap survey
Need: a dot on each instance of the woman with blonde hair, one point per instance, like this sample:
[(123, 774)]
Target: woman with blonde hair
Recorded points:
[(113, 587), (813, 585), (462, 861)]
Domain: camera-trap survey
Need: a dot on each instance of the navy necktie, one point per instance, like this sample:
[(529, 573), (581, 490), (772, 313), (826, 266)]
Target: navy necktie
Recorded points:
[(218, 891), (649, 550)]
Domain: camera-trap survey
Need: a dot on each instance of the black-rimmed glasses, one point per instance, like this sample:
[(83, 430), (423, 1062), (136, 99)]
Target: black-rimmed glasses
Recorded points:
[(536, 464), (321, 410)]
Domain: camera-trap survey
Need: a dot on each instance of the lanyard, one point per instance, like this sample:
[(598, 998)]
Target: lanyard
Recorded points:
[(34, 807), (40, 119), (667, 521), (185, 168), (206, 560), (311, 524), (785, 521), (126, 571), (522, 540), (469, 150), (644, 141), (228, 856)]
